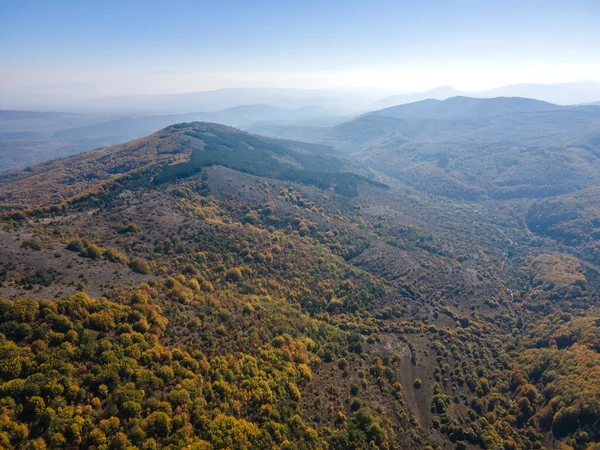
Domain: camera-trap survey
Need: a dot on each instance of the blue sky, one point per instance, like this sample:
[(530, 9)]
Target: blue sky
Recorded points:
[(174, 46)]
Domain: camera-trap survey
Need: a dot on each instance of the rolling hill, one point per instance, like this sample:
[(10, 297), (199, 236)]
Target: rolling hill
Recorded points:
[(180, 151), (203, 287), (571, 219)]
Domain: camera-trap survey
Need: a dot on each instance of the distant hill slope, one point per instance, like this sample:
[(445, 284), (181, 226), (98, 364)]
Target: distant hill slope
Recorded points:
[(472, 148), (508, 121), (465, 108), (572, 219), (179, 151)]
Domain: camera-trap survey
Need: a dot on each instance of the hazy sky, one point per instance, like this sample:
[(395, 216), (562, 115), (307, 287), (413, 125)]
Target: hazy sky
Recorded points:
[(97, 48)]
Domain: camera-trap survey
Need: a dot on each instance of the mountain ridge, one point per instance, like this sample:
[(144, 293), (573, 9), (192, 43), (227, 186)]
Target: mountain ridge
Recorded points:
[(559, 93), (462, 107), (179, 151)]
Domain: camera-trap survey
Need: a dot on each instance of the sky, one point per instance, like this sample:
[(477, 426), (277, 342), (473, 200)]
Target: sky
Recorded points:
[(90, 49)]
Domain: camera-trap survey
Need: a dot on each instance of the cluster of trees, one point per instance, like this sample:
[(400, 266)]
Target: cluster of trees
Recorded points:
[(558, 277), (472, 374), (88, 249), (83, 372), (570, 219), (564, 363), (224, 365)]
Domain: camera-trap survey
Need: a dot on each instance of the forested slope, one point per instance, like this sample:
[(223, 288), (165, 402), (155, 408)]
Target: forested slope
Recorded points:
[(167, 301)]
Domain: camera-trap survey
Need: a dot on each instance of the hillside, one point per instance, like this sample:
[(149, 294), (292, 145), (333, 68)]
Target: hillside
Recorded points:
[(278, 226), (571, 219), (175, 152), (207, 288)]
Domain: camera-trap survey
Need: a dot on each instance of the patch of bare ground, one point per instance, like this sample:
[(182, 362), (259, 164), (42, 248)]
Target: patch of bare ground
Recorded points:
[(229, 185), (50, 270), (53, 271)]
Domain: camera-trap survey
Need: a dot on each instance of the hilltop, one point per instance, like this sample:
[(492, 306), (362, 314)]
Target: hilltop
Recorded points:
[(179, 151)]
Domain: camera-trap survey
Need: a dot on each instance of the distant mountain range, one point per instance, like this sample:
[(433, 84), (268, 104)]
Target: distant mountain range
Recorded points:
[(557, 93), (464, 108), (439, 93), (347, 100), (124, 128), (457, 118), (10, 115), (180, 103)]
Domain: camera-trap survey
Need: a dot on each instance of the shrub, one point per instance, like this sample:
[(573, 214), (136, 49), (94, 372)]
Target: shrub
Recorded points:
[(32, 244), (140, 265), (114, 255)]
